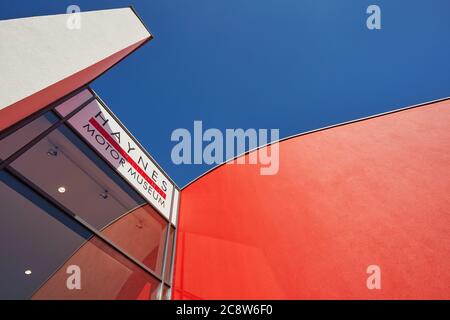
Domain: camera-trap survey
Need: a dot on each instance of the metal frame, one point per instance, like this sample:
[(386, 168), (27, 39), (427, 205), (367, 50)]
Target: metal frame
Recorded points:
[(166, 248), (76, 218), (40, 136), (96, 98), (5, 165), (22, 123), (172, 264), (175, 186)]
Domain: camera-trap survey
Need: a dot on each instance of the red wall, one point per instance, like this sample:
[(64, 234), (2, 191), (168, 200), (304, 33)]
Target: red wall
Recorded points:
[(372, 192)]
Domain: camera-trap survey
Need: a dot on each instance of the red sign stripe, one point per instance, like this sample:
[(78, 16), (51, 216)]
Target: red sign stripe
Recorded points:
[(126, 156)]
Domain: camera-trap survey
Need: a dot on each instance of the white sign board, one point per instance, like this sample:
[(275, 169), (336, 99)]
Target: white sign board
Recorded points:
[(108, 137)]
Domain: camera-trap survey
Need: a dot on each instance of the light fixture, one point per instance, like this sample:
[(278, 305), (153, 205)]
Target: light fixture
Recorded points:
[(28, 272), (53, 152), (61, 189), (104, 194)]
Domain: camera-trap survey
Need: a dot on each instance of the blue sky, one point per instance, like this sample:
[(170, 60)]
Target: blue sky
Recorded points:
[(288, 64)]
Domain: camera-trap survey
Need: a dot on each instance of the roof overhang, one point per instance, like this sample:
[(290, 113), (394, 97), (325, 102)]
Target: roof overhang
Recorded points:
[(42, 59)]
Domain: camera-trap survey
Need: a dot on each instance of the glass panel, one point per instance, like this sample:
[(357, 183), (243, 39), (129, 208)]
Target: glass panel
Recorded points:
[(169, 255), (38, 243), (142, 232), (70, 171), (35, 239), (71, 104), (21, 137), (104, 274)]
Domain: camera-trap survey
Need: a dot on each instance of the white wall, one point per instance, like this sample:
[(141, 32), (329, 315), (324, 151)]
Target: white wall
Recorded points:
[(39, 51)]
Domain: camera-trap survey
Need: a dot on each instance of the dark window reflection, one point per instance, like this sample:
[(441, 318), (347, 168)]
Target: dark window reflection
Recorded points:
[(21, 137), (35, 239), (38, 243), (142, 232), (71, 104), (105, 274), (71, 172)]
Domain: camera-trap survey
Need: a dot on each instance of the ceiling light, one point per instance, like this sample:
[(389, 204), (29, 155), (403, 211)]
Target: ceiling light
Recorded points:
[(61, 189), (104, 194), (52, 152), (28, 272)]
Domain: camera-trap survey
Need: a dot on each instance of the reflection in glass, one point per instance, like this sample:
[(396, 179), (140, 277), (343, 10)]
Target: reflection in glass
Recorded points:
[(21, 137), (71, 172), (38, 243), (104, 274), (142, 232), (35, 239)]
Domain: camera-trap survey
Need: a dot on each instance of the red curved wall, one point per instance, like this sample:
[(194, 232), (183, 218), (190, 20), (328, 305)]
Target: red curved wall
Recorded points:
[(373, 192)]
